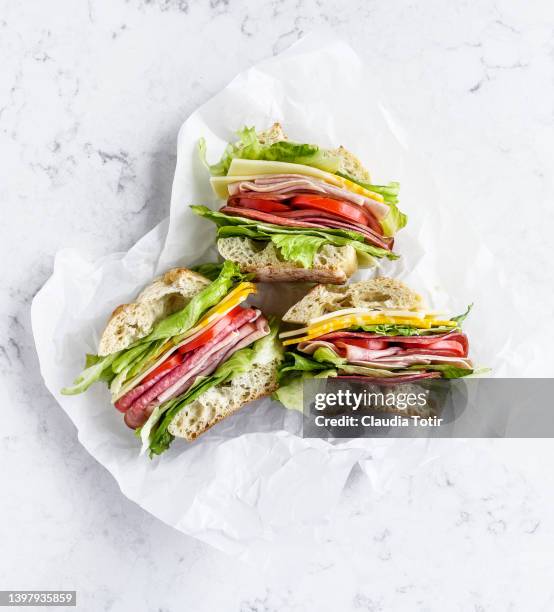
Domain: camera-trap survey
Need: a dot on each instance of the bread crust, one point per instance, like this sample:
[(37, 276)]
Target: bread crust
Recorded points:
[(164, 295), (377, 293), (220, 402), (349, 163), (286, 274), (332, 264)]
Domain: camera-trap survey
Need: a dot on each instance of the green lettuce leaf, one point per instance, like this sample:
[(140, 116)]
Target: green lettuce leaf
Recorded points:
[(129, 356), (137, 356), (182, 320), (296, 364), (386, 329), (146, 359), (327, 356), (447, 371), (290, 393), (229, 226), (248, 146), (389, 192), (461, 318), (96, 368), (395, 220), (294, 371), (209, 270), (299, 248)]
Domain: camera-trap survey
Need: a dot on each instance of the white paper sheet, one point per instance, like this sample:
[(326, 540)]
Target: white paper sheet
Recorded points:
[(251, 482)]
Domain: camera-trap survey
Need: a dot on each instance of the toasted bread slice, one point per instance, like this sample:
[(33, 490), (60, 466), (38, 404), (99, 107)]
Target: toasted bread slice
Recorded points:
[(223, 400), (349, 163), (377, 293), (331, 264), (274, 134), (165, 295)]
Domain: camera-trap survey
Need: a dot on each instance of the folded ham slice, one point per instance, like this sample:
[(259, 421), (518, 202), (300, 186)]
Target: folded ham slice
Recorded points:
[(405, 361), (246, 335), (453, 343), (286, 183), (138, 412), (126, 400), (393, 352), (177, 380)]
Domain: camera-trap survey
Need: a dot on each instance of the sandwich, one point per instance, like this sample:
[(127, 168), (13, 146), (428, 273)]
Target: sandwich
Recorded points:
[(299, 212), (377, 331), (184, 355)]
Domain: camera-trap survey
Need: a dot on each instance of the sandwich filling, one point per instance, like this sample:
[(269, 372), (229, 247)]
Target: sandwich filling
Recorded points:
[(212, 339), (298, 197), (378, 346)]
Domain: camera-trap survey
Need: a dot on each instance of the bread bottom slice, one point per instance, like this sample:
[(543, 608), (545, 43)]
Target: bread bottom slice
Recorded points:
[(223, 400), (331, 264)]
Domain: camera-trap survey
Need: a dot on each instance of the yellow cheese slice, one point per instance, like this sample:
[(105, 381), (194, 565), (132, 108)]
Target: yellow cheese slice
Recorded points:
[(346, 321), (249, 169)]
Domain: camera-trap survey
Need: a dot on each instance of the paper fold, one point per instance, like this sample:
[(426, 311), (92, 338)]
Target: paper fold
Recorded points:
[(251, 481)]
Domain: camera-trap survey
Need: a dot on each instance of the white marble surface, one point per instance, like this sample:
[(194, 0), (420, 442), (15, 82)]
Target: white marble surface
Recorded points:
[(472, 84)]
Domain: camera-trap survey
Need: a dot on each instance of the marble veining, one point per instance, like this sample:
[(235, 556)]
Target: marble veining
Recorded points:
[(92, 94)]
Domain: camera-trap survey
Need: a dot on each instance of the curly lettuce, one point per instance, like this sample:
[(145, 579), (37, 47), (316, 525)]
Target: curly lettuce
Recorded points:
[(248, 146), (129, 362), (299, 244)]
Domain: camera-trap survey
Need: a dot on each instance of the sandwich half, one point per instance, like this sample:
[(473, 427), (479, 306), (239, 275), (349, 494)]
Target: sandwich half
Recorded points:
[(378, 331), (186, 354), (299, 212)]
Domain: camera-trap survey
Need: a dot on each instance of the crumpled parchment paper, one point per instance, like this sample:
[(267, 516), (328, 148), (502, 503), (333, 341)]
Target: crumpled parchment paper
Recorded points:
[(251, 482)]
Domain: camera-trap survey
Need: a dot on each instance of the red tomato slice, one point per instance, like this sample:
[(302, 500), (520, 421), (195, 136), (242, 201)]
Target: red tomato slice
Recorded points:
[(211, 332), (263, 205), (178, 357), (165, 366), (337, 207)]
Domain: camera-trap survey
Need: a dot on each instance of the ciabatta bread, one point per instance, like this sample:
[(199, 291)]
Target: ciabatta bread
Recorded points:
[(223, 400), (164, 296), (377, 293), (349, 163), (331, 264)]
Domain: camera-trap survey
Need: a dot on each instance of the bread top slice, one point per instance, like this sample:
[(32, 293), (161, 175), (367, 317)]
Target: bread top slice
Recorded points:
[(274, 134), (164, 296), (378, 293), (349, 163)]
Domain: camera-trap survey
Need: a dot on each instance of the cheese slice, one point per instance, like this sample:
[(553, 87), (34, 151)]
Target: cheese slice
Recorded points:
[(353, 320), (232, 299), (418, 314), (250, 169)]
